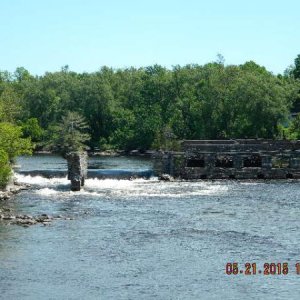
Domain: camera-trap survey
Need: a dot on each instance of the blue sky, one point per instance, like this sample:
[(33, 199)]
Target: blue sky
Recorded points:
[(44, 35)]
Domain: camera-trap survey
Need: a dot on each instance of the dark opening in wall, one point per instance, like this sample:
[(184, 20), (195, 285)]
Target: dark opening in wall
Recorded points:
[(203, 177), (260, 176), (232, 177), (252, 161), (224, 162), (289, 176), (195, 163), (280, 161)]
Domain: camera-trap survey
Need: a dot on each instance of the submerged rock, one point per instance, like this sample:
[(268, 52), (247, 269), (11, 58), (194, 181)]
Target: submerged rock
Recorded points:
[(27, 220), (9, 217)]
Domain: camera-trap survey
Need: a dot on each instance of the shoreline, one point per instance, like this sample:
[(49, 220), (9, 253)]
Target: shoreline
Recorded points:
[(109, 153), (12, 189), (9, 217)]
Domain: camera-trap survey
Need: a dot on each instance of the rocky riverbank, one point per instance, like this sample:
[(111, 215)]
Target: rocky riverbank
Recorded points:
[(9, 218), (12, 189)]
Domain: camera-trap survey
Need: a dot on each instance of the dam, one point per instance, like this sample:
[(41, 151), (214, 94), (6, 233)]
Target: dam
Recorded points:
[(54, 166), (198, 159), (231, 159)]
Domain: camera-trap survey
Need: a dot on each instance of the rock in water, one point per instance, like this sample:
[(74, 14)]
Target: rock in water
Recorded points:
[(166, 177)]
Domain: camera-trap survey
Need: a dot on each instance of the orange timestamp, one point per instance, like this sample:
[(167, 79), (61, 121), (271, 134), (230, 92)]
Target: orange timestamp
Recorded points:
[(272, 268)]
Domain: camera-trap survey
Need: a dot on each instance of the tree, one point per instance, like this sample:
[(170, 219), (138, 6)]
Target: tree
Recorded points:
[(296, 71), (5, 169), (294, 129), (9, 104), (220, 59), (11, 145), (124, 123), (12, 142), (97, 102), (32, 129), (70, 134), (131, 108)]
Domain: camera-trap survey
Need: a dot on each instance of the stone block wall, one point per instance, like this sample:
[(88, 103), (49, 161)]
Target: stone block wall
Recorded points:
[(77, 169), (240, 159)]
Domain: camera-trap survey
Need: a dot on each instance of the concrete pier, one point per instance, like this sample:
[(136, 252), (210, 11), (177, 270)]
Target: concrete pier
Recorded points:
[(77, 169)]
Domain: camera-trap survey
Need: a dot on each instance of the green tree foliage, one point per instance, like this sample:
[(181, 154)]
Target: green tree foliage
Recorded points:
[(5, 169), (12, 142), (296, 69), (32, 129), (70, 134), (9, 103), (292, 73), (293, 132), (123, 123), (133, 108)]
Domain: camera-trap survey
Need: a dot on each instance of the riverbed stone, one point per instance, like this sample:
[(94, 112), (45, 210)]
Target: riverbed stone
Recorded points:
[(25, 222), (12, 189), (166, 177), (9, 217)]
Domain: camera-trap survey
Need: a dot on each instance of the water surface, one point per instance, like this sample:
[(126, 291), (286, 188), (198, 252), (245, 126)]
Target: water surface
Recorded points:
[(146, 239)]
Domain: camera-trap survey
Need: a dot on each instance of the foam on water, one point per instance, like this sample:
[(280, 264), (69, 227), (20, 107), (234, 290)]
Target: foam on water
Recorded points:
[(47, 192), (115, 183), (123, 188), (40, 181)]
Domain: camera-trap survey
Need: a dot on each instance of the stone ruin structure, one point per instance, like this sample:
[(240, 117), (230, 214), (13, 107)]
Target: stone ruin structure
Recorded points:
[(77, 169), (231, 159)]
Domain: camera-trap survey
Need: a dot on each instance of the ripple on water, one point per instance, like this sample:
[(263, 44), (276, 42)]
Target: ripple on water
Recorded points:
[(143, 239)]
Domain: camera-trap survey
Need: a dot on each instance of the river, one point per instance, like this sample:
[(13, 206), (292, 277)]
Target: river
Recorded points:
[(147, 239)]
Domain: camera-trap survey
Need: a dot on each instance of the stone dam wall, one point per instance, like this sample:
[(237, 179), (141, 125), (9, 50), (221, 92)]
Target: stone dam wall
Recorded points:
[(231, 159)]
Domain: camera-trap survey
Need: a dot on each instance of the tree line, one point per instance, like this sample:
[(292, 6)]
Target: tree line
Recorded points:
[(151, 107)]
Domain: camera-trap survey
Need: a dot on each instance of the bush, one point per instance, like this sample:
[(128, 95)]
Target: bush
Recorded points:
[(11, 145), (11, 141), (5, 170)]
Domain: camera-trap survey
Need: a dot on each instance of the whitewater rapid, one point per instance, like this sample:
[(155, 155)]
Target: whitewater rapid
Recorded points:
[(136, 187)]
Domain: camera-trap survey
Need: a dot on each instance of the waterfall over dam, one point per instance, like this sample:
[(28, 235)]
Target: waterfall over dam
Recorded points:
[(53, 166), (100, 174)]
